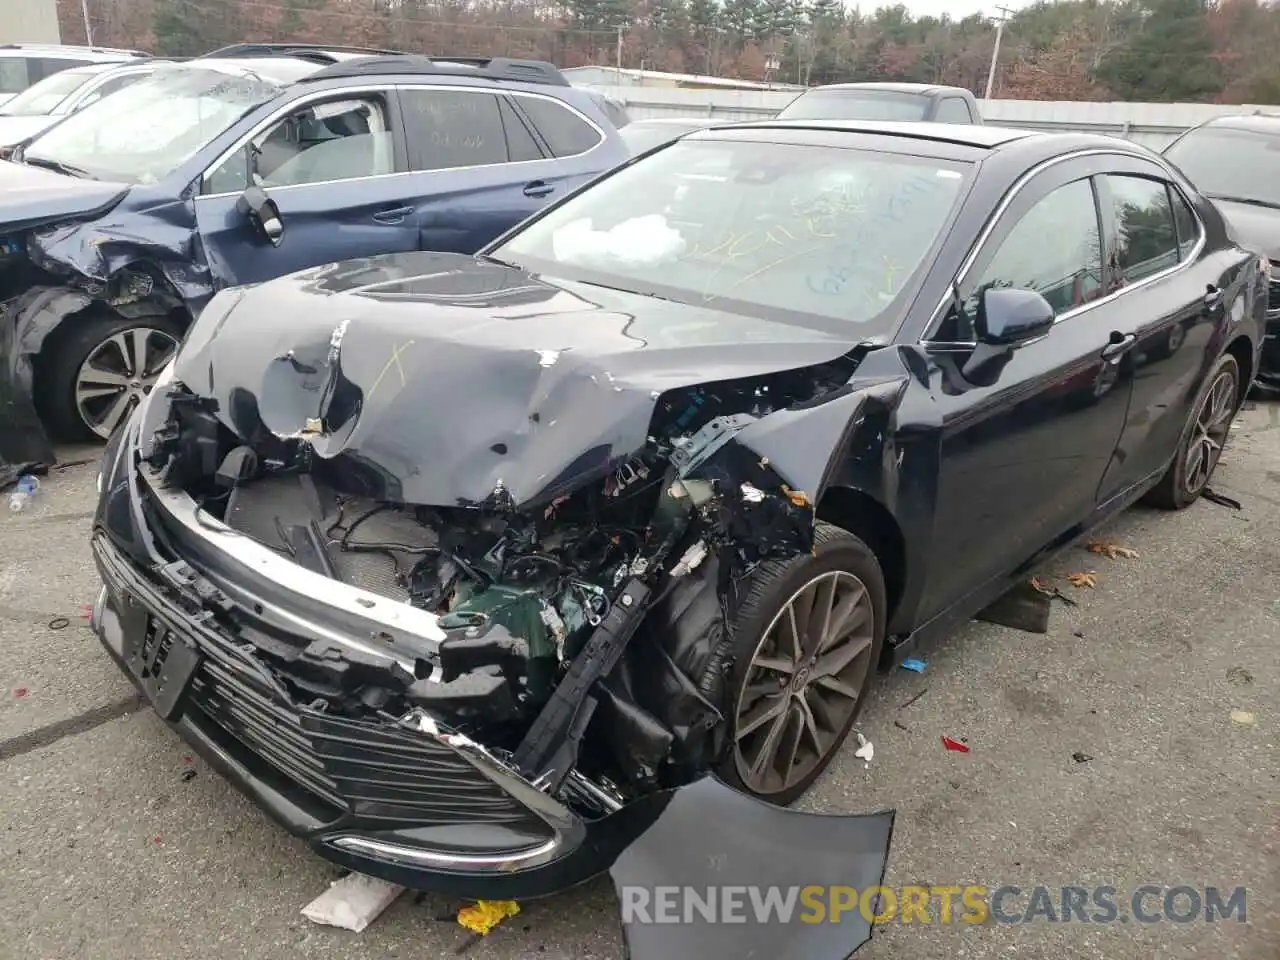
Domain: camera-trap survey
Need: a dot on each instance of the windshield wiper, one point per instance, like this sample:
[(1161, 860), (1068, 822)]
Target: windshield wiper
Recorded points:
[(58, 165), (1252, 201)]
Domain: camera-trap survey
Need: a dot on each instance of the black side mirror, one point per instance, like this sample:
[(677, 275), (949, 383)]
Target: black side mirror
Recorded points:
[(1010, 316), (1007, 318), (262, 213)]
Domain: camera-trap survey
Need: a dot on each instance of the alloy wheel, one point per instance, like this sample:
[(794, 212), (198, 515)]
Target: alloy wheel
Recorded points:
[(1209, 432), (804, 682), (118, 373)]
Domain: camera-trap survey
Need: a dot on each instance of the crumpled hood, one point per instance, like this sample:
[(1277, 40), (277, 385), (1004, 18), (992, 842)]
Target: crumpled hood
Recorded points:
[(30, 196), (1257, 228), (442, 378), (16, 129)]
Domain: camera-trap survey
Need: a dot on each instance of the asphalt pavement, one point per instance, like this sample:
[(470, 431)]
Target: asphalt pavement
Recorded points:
[(116, 843)]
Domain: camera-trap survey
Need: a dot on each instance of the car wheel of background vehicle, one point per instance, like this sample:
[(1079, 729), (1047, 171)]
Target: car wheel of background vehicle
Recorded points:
[(1202, 441), (808, 637), (97, 368)]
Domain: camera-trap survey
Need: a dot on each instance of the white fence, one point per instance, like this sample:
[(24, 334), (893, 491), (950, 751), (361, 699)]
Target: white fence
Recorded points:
[(1152, 124)]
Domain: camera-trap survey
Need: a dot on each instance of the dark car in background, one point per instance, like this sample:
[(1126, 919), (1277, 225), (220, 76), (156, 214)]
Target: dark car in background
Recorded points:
[(1235, 162), (885, 101), (120, 222), (464, 566)]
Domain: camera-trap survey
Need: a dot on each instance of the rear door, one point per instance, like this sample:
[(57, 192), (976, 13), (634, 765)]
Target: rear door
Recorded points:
[(1169, 299), (478, 169), (1021, 459), (576, 142), (335, 165)]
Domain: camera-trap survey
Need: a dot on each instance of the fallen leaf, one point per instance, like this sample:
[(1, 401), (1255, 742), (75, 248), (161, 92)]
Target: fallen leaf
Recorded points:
[(1112, 550), (1087, 579), (1239, 677)]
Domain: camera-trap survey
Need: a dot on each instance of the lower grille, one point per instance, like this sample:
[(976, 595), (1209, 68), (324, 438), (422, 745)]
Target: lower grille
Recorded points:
[(378, 772)]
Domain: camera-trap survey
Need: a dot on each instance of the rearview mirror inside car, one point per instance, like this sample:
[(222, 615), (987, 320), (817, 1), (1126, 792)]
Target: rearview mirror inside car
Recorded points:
[(262, 213), (1009, 316)]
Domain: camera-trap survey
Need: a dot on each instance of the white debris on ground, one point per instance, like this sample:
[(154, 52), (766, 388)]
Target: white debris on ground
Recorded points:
[(866, 750), (353, 902)]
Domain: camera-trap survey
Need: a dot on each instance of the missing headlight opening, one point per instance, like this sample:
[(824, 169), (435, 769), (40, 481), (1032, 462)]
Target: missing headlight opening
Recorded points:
[(569, 650)]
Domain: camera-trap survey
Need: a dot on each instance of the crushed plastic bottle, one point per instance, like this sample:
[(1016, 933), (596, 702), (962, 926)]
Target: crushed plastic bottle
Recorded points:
[(23, 493)]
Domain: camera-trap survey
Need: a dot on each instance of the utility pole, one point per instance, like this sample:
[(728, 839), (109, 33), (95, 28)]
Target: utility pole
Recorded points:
[(995, 51), (618, 58), (88, 28)]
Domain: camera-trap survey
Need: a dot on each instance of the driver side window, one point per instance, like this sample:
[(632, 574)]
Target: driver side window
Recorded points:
[(1055, 249), (322, 142)]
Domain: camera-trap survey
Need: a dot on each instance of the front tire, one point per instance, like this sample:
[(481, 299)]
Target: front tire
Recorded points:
[(1202, 441), (97, 368), (807, 639)]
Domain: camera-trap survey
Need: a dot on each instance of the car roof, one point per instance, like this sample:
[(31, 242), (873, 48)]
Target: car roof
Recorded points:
[(1259, 122), (680, 121), (918, 88), (283, 70), (107, 66), (63, 52), (962, 134)]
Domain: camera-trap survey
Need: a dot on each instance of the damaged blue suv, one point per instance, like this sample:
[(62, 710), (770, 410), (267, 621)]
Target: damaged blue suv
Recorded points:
[(119, 223)]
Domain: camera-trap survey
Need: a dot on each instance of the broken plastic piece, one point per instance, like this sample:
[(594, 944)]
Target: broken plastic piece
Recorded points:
[(914, 664), (353, 902), (954, 745), (484, 915), (866, 750), (1080, 757), (1243, 718), (751, 493)]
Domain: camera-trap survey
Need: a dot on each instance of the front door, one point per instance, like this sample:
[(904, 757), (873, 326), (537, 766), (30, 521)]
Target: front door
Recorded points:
[(1021, 459), (335, 169)]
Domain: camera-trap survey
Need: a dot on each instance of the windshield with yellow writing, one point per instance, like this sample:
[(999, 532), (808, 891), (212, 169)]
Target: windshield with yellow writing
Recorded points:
[(754, 227)]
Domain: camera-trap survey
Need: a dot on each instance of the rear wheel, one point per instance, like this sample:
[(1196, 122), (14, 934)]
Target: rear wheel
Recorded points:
[(810, 633), (96, 372), (1203, 439)]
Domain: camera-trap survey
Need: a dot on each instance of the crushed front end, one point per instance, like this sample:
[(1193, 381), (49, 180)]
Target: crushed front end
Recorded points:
[(468, 633)]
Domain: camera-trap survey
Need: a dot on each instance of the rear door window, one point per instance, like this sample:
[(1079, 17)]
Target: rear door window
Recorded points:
[(453, 128), (15, 74), (1143, 239), (565, 132), (953, 110), (1185, 222), (51, 65)]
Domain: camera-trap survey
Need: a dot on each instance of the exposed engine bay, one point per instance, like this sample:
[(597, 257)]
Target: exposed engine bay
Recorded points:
[(614, 601)]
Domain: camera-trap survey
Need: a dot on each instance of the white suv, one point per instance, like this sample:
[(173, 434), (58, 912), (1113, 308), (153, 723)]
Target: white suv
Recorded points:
[(22, 64)]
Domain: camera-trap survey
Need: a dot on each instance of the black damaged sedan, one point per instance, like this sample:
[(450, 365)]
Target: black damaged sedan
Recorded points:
[(468, 570)]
